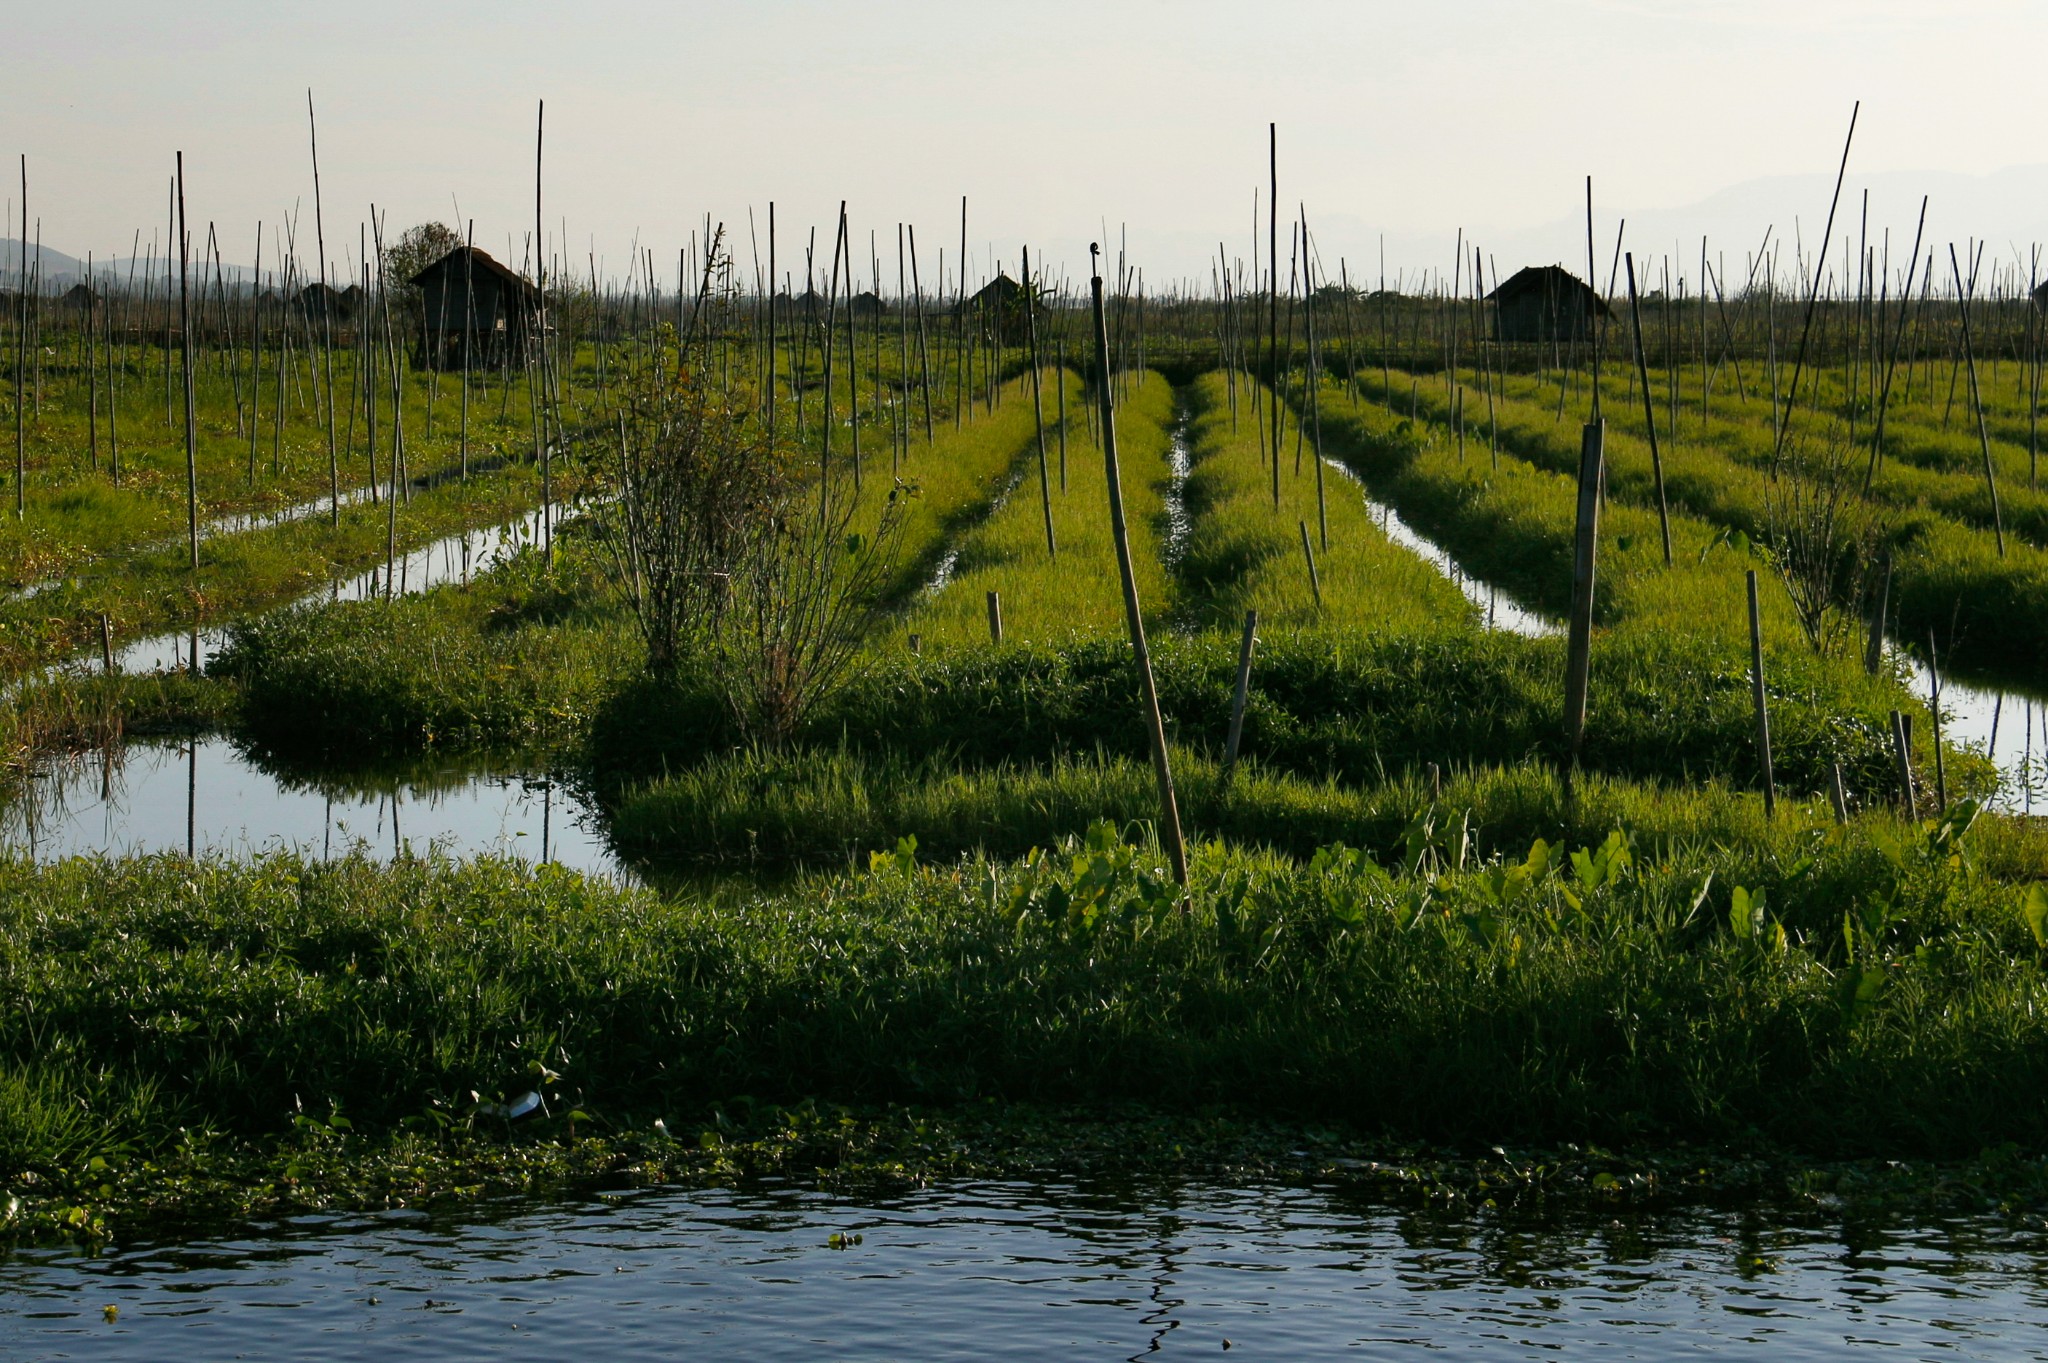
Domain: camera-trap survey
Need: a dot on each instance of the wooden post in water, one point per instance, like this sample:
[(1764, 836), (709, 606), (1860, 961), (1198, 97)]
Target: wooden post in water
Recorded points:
[(1579, 646), (1934, 712), (106, 644), (1756, 689), (1169, 809), (1245, 649), (1635, 314), (995, 617), (1873, 652)]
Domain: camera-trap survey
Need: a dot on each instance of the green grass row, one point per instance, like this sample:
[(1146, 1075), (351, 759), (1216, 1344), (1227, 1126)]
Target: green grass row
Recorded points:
[(1244, 548), (1991, 612), (1878, 990), (1073, 590), (522, 654)]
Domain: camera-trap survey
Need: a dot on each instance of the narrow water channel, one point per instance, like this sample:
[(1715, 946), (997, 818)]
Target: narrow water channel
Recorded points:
[(455, 558), (1041, 1271)]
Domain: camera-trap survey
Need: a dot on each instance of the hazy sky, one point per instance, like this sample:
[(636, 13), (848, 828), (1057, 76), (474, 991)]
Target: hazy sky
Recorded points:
[(1412, 120)]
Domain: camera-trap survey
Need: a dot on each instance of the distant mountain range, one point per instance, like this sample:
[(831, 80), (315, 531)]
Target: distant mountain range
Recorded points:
[(2007, 210), (60, 271)]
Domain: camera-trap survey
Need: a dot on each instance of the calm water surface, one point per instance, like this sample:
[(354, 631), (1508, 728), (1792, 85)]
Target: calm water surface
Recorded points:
[(209, 795), (1037, 1272)]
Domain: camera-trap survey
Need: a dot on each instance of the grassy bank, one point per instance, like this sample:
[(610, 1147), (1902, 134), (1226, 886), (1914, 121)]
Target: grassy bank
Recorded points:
[(1683, 991)]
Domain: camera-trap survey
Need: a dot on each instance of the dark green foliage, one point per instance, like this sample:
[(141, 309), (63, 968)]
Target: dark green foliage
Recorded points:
[(1612, 996), (1323, 703), (520, 655)]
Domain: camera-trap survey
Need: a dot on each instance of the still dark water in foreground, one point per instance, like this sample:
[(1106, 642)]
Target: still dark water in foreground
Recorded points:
[(1040, 1272)]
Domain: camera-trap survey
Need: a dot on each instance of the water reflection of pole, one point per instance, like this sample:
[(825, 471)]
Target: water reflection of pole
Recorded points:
[(192, 794), (327, 832), (397, 843), (1161, 1317), (547, 812)]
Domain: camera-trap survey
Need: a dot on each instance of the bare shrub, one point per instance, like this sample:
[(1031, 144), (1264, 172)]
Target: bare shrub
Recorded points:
[(1824, 540), (736, 556)]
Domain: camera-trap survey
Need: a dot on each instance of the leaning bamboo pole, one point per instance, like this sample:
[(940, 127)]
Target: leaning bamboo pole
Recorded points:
[(1170, 831)]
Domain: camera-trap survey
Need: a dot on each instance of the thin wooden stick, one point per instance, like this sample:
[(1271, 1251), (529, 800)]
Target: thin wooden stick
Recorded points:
[(1133, 617), (1649, 411), (1756, 685), (185, 348), (1579, 651), (1052, 548), (326, 320), (1976, 400), (1242, 692), (1813, 295)]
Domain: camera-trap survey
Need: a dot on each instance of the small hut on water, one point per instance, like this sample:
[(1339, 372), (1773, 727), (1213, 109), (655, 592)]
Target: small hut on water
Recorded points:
[(473, 311), (318, 300), (1545, 303), (1003, 305)]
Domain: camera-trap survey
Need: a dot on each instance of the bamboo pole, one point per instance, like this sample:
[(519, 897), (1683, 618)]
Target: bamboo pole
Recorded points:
[(1052, 547), (1813, 295), (1579, 651), (924, 359), (1241, 693), (1898, 338), (21, 356), (1635, 313), (1756, 686), (1273, 294), (1934, 712), (1308, 553), (1976, 399), (185, 348), (1902, 755), (1162, 768), (326, 321)]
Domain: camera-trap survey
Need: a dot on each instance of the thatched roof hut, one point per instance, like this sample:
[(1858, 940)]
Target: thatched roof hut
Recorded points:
[(1545, 303), (473, 309), (319, 300)]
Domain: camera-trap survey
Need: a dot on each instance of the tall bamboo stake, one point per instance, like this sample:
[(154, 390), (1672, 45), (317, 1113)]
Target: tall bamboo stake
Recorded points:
[(1756, 684), (1813, 295), (1273, 298), (1976, 400), (21, 356), (1133, 616), (326, 320), (1579, 644), (1052, 548), (1635, 313), (185, 348)]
